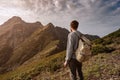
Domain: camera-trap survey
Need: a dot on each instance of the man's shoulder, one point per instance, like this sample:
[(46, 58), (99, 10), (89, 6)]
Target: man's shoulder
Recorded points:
[(74, 33), (71, 34)]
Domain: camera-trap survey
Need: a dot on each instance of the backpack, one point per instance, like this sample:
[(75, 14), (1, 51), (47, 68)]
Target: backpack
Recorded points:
[(83, 52)]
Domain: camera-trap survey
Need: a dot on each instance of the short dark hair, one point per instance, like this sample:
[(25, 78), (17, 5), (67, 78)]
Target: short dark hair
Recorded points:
[(74, 24)]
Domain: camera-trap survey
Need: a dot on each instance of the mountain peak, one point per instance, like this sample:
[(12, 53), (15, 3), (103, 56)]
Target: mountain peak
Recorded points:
[(50, 25), (14, 19), (38, 23)]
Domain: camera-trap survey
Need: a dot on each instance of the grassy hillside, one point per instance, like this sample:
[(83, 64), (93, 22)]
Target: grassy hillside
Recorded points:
[(29, 71), (34, 44), (104, 64), (46, 40), (107, 44)]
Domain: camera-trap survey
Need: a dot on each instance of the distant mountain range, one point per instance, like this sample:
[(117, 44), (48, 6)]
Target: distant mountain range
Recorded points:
[(22, 44)]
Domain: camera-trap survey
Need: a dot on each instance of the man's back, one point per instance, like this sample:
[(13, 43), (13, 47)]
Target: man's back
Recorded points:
[(72, 44)]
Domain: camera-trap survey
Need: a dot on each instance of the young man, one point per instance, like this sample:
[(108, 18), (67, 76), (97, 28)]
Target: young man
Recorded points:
[(72, 45)]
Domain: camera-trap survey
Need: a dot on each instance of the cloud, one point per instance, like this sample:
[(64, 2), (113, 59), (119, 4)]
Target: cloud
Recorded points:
[(101, 15)]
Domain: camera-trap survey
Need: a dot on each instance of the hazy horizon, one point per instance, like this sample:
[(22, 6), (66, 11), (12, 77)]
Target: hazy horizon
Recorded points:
[(97, 17)]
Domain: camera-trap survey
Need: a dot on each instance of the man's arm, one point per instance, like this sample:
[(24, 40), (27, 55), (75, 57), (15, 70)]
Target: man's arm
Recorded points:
[(70, 48)]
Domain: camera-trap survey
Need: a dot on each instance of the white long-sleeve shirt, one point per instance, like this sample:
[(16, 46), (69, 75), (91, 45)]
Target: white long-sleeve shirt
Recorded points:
[(72, 44)]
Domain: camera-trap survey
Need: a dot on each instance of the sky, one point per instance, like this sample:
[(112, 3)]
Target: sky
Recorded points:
[(96, 17)]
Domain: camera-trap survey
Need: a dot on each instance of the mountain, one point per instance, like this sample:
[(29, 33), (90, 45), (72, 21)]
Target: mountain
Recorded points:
[(28, 49), (36, 43), (92, 37), (15, 30), (46, 65), (13, 33)]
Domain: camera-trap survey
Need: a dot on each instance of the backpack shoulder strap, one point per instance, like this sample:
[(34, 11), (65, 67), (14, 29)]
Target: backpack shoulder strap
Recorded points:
[(80, 37), (84, 39)]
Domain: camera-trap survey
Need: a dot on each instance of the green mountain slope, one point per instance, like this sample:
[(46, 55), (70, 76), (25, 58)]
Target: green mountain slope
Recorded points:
[(102, 66), (42, 41), (34, 67), (12, 33), (41, 57)]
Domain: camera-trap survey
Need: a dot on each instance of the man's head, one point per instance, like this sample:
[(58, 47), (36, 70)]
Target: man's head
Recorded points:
[(74, 25)]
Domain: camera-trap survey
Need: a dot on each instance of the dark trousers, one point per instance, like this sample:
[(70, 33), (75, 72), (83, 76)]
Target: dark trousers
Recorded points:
[(75, 67)]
